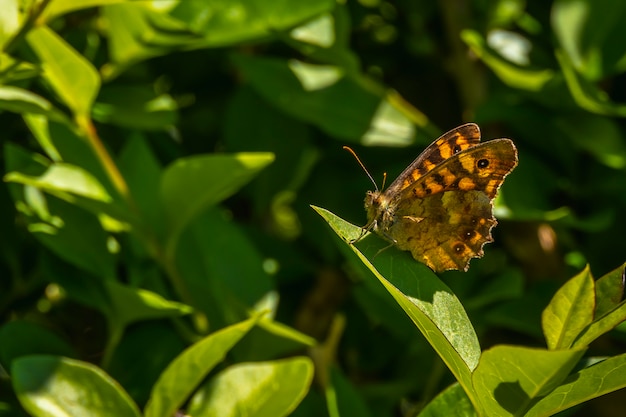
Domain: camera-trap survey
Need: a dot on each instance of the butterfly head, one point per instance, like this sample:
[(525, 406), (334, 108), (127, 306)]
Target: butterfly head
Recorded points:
[(377, 206)]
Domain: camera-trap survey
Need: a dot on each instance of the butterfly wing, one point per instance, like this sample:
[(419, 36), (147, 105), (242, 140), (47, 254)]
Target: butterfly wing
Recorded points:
[(444, 218), (482, 167), (447, 145), (449, 229)]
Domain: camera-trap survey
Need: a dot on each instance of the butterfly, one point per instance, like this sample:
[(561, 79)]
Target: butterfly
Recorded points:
[(440, 208)]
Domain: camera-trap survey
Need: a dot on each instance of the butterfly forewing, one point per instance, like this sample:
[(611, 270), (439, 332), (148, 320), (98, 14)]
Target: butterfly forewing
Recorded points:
[(482, 167), (447, 145)]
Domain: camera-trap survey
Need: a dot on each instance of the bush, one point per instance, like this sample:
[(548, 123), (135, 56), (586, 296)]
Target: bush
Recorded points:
[(168, 188)]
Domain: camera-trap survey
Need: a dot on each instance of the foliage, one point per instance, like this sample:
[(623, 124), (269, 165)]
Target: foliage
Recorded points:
[(159, 253)]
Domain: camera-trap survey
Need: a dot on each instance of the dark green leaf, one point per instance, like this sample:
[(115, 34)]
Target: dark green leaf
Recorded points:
[(451, 402), (191, 185)]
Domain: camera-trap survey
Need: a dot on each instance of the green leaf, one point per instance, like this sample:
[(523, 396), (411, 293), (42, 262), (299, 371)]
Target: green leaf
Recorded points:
[(135, 304), (60, 7), (601, 325), (73, 234), (21, 338), (586, 94), (530, 79), (451, 402), (139, 30), (610, 308), (133, 367), (191, 185), (64, 178), (570, 311), (608, 145), (508, 285), (38, 126), (342, 105), (62, 144), (261, 389), (18, 100), (72, 77), (185, 372), (49, 386), (509, 379), (610, 291), (283, 331), (430, 304), (319, 31), (10, 22), (135, 106), (225, 22), (586, 31), (68, 182), (225, 287), (289, 139), (344, 398), (142, 172), (591, 382)]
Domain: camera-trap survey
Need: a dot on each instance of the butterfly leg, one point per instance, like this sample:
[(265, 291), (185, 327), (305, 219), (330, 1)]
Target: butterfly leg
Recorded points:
[(381, 250), (364, 229)]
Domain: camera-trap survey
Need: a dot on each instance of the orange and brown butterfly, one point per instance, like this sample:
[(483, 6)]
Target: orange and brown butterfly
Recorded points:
[(440, 207)]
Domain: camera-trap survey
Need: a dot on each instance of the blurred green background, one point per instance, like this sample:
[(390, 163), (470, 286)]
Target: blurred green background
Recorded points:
[(164, 88)]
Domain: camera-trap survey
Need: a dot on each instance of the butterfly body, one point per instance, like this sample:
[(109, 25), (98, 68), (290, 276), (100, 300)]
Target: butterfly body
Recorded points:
[(440, 207)]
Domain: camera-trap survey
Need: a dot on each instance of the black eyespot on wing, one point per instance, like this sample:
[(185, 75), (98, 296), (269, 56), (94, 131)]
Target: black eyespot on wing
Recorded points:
[(482, 163), (457, 148), (468, 234), (458, 247)]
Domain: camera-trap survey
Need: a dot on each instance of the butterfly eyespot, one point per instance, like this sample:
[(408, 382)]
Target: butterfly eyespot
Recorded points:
[(468, 234), (459, 247), (482, 163), (457, 148)]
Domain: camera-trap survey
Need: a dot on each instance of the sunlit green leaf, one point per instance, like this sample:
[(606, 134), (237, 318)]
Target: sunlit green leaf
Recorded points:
[(509, 379), (531, 79), (570, 311), (53, 386), (72, 76), (592, 382), (586, 31), (610, 291), (254, 389), (346, 107), (429, 303), (185, 372)]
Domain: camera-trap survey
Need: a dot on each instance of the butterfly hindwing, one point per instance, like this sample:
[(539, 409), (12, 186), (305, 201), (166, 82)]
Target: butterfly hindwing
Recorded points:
[(444, 230)]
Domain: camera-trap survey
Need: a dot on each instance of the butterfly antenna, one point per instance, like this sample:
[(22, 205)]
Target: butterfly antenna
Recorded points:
[(347, 148), (384, 180)]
